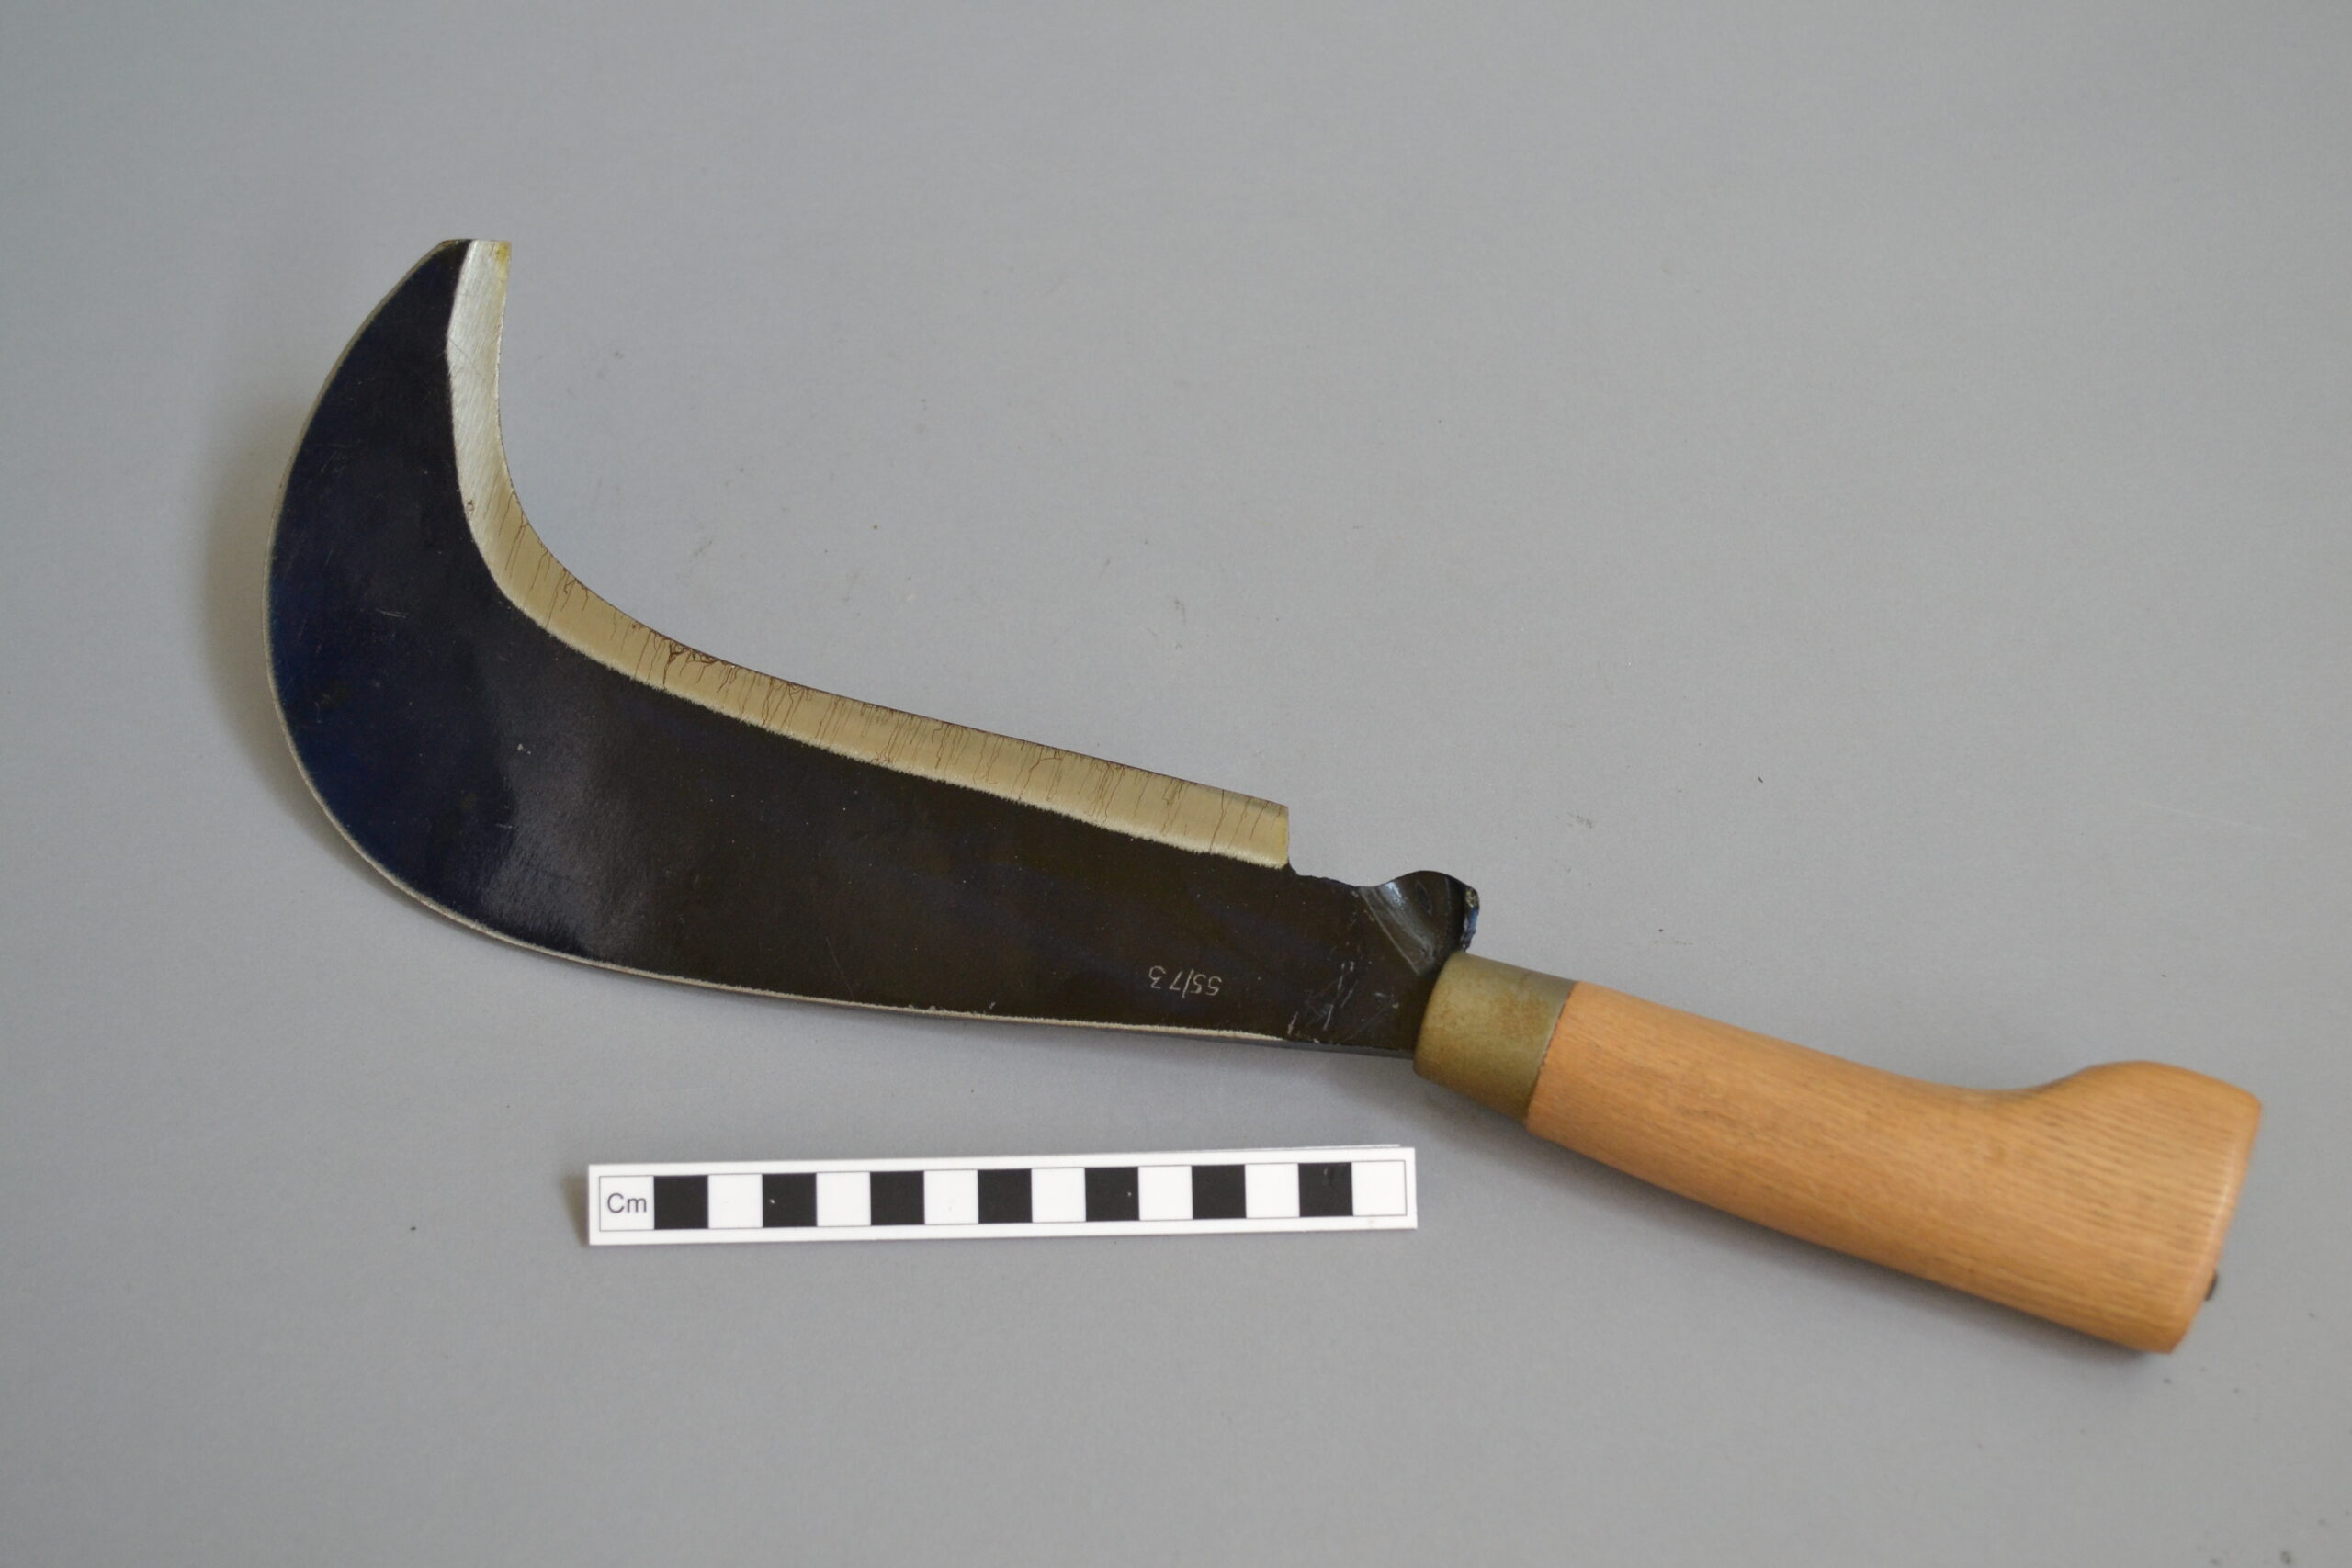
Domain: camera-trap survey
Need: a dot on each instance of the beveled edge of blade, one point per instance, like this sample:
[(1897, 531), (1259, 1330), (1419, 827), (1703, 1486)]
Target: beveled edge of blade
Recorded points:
[(1106, 795)]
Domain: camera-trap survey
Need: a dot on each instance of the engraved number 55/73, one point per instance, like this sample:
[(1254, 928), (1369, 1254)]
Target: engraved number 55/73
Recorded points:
[(1186, 982)]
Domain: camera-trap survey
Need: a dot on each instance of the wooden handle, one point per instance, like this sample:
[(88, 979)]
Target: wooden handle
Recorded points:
[(2098, 1201)]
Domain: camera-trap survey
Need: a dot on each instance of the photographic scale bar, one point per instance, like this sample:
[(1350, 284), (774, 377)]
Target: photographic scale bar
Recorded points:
[(1199, 1192)]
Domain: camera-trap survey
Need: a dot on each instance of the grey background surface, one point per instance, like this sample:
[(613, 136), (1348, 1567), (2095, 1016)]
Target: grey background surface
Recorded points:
[(1830, 517)]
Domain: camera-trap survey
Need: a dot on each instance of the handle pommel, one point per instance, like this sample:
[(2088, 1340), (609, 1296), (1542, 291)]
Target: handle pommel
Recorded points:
[(2098, 1201)]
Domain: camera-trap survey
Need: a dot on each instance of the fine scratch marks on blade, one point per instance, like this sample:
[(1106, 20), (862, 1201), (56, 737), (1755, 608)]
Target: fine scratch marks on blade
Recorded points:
[(1107, 795)]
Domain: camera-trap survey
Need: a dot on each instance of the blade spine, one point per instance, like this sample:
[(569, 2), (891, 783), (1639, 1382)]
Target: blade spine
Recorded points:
[(1102, 792), (672, 977)]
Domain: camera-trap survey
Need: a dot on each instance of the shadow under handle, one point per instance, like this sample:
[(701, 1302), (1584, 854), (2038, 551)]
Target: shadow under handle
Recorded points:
[(2098, 1201)]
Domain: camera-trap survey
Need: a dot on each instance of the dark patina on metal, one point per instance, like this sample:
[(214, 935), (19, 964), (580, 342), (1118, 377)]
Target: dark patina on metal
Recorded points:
[(524, 788)]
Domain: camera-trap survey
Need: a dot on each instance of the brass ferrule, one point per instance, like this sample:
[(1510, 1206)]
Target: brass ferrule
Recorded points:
[(1487, 1029)]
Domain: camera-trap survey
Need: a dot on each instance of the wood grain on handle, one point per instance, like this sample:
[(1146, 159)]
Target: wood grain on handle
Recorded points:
[(2098, 1201)]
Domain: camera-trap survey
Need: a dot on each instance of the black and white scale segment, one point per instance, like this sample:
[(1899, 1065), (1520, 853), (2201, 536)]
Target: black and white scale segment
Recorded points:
[(1361, 1188)]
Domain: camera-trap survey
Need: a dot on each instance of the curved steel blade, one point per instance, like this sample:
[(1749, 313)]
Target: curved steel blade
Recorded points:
[(522, 756)]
